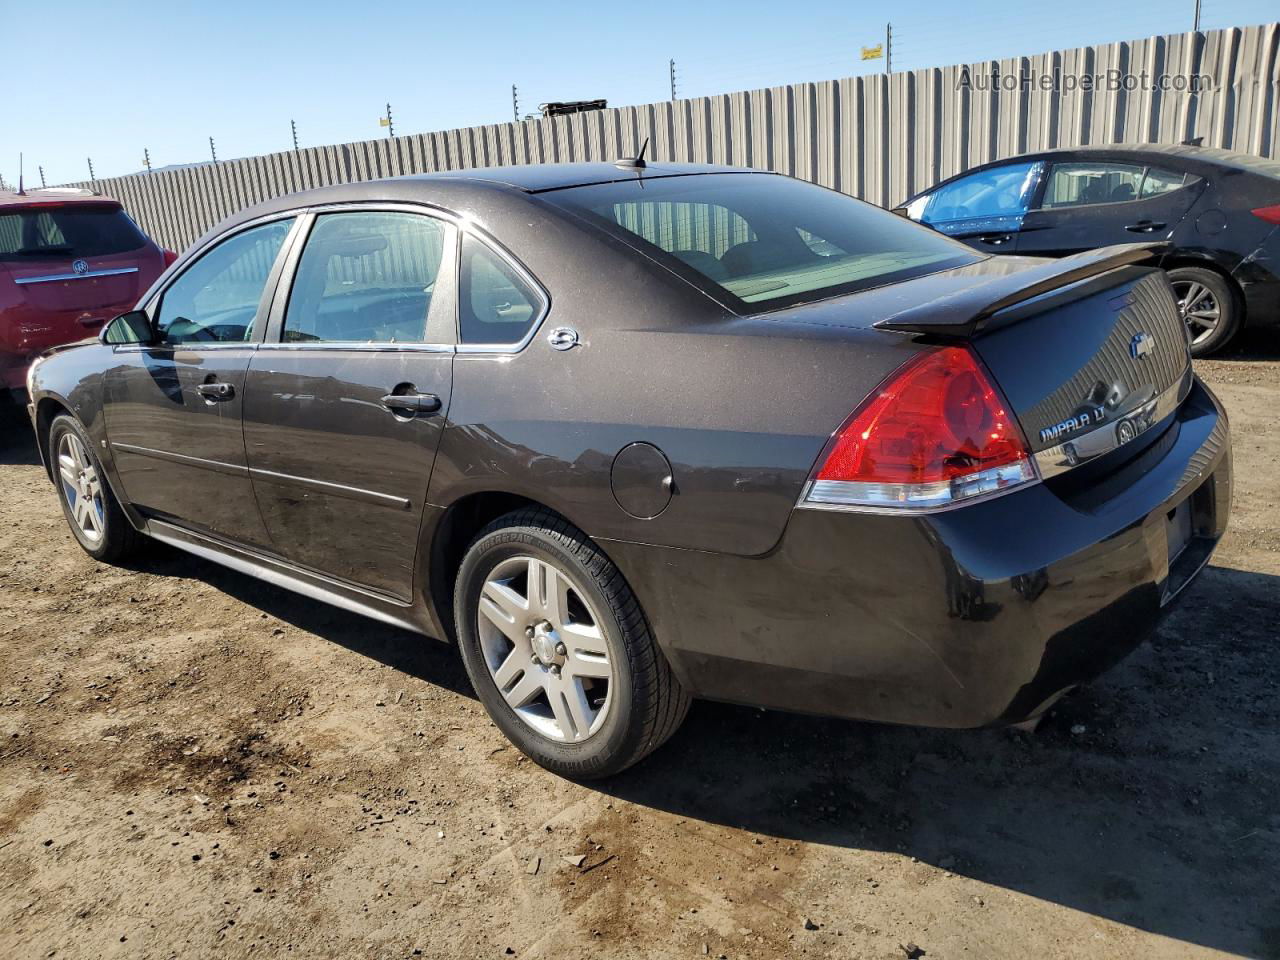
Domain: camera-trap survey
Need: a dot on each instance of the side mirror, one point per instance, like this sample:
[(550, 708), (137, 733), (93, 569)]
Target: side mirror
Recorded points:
[(132, 327), (900, 211)]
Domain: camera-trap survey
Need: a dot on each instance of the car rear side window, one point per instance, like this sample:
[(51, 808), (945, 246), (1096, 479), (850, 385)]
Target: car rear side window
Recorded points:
[(217, 298), (496, 305), (1085, 184), (1155, 182), (365, 278), (70, 232), (759, 240)]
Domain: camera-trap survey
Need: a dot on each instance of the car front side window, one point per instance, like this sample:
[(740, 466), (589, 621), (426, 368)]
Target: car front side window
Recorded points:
[(217, 298), (998, 192), (365, 277)]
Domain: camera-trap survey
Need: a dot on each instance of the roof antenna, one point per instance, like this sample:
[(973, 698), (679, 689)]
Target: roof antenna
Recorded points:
[(636, 162), (1194, 142)]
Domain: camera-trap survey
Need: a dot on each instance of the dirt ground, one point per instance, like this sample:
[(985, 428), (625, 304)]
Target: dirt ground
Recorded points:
[(195, 764)]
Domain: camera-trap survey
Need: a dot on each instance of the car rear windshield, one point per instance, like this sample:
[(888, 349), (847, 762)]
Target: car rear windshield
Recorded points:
[(759, 241), (56, 233)]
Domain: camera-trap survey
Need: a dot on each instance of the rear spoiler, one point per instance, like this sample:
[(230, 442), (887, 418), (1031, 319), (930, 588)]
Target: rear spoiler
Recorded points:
[(963, 313)]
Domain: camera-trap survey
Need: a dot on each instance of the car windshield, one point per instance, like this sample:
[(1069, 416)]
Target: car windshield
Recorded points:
[(763, 241), (71, 231)]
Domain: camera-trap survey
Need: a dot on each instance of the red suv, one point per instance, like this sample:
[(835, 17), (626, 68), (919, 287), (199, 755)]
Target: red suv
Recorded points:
[(69, 261)]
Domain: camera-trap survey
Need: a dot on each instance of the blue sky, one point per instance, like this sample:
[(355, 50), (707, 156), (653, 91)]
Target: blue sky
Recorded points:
[(106, 79)]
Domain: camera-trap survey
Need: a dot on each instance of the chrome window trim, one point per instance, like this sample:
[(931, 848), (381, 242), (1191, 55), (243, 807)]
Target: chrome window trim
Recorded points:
[(87, 275), (186, 345), (361, 346), (1056, 460)]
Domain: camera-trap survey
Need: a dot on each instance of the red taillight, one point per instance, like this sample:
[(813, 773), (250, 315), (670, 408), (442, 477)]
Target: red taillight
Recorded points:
[(935, 433), (169, 257), (1270, 214)]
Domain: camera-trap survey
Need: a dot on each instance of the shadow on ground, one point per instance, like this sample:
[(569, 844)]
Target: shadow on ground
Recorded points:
[(1160, 815), (417, 656)]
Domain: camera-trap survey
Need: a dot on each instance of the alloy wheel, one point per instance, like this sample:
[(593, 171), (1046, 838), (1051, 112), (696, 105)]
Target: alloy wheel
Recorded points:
[(1199, 308), (81, 487), (545, 649)]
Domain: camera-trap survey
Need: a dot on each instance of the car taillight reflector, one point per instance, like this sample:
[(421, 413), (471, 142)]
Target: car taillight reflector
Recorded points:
[(1270, 214), (169, 257), (935, 433)]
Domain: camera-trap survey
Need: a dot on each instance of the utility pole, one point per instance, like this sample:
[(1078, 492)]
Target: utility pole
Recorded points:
[(888, 47), (515, 104), (213, 151), (391, 127), (146, 158), (42, 183), (293, 128), (1196, 25), (672, 69), (91, 176)]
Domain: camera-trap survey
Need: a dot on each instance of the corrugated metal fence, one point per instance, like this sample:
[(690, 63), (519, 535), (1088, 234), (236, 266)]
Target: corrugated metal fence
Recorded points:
[(878, 137)]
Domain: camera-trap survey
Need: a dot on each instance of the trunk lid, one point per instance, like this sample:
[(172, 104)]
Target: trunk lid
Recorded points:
[(1088, 350), (1091, 369)]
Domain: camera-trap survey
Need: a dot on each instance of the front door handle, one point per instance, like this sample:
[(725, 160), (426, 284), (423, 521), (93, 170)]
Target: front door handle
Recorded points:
[(1145, 226), (216, 391), (411, 402), (996, 239)]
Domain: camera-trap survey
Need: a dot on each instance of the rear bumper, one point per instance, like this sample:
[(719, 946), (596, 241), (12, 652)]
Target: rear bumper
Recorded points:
[(1259, 278), (977, 616)]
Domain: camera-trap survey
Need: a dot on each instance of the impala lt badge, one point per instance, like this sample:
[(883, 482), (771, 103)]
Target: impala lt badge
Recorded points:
[(1141, 345), (1085, 418)]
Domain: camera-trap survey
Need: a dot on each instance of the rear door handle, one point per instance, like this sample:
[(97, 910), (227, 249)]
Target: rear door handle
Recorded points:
[(997, 239), (411, 402), (1145, 226), (216, 391)]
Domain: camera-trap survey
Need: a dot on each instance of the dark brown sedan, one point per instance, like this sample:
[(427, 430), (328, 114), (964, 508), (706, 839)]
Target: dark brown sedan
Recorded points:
[(630, 435)]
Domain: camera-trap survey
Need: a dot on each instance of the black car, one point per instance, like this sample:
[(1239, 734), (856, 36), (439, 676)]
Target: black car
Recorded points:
[(1220, 211), (631, 435)]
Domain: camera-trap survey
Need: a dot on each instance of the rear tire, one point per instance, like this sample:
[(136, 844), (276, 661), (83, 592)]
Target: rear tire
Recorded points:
[(96, 519), (1209, 307), (558, 650)]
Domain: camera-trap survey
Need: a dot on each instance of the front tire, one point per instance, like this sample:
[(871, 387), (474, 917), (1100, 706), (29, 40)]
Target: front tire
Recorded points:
[(1208, 306), (558, 650), (92, 511)]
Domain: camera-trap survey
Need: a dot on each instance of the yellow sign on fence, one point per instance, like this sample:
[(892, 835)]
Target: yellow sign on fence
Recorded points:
[(873, 53), (384, 122)]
